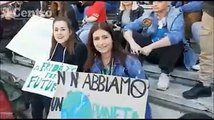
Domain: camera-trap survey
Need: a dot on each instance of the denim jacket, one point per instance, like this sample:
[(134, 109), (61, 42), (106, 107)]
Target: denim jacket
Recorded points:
[(190, 6), (175, 26), (132, 68)]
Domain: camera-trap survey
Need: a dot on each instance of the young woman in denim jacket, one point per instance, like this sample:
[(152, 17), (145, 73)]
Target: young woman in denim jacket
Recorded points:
[(105, 56)]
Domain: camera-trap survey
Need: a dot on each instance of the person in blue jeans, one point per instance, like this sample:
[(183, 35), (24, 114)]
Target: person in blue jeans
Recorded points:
[(105, 56), (192, 21), (188, 6), (192, 17), (112, 6)]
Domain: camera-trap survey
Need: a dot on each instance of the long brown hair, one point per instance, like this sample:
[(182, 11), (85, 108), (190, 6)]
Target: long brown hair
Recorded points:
[(117, 50), (70, 43), (62, 10)]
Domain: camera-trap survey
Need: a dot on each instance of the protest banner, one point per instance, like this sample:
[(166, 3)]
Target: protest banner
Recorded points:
[(33, 41), (43, 77), (89, 95)]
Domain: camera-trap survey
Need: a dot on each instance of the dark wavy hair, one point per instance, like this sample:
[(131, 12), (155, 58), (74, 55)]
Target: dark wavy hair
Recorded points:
[(70, 43), (63, 9), (117, 51)]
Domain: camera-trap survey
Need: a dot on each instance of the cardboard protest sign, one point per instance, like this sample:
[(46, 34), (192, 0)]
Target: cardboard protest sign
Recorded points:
[(43, 77), (89, 95), (33, 41)]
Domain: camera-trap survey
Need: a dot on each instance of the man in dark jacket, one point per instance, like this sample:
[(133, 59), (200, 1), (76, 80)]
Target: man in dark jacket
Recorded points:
[(11, 24)]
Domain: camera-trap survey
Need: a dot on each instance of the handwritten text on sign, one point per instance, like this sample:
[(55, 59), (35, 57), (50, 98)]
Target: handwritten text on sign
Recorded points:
[(43, 77), (88, 95)]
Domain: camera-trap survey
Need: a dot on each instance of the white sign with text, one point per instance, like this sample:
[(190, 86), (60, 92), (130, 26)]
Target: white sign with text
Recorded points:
[(43, 77)]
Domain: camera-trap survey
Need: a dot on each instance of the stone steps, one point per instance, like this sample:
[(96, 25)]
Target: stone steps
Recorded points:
[(174, 94), (179, 75), (180, 81)]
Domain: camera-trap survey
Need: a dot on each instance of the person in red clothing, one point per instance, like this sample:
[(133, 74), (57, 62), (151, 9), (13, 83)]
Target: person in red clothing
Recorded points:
[(95, 11), (6, 110)]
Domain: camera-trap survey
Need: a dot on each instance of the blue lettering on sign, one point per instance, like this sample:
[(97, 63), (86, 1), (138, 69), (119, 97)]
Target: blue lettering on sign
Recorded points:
[(114, 112)]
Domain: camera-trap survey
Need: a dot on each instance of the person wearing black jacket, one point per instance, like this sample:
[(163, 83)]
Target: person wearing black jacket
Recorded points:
[(65, 48), (78, 9), (70, 50), (11, 24), (128, 12), (206, 73)]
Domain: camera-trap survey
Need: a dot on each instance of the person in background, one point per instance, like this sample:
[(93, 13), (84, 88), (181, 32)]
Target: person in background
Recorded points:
[(112, 6), (95, 12), (12, 20), (145, 2), (162, 36), (192, 11), (7, 29), (1, 26), (128, 12), (105, 56), (6, 109), (206, 72), (65, 48), (62, 8), (79, 9), (192, 16)]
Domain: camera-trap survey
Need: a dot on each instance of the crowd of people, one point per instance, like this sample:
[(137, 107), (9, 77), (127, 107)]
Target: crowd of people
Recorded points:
[(161, 36)]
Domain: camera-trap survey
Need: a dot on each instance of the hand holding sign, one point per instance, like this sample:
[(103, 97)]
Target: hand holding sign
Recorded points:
[(43, 77)]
